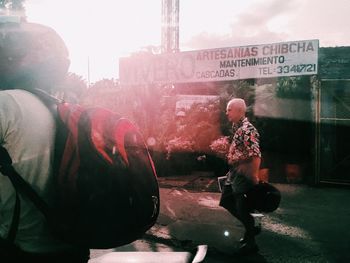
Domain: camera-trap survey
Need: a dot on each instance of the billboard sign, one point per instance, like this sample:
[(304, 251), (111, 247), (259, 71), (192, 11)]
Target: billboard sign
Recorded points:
[(244, 62)]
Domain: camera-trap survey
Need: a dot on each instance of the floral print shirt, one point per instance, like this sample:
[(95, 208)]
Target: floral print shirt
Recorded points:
[(245, 142)]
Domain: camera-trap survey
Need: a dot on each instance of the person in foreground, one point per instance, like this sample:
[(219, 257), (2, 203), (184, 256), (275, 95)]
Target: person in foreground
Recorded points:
[(244, 158), (27, 132)]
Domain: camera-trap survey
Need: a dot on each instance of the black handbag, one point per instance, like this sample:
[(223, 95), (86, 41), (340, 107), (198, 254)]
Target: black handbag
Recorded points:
[(264, 197)]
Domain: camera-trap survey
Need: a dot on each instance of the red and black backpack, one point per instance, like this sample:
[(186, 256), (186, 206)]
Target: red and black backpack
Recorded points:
[(107, 193)]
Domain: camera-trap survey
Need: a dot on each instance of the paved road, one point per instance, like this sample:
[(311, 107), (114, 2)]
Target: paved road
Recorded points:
[(311, 225)]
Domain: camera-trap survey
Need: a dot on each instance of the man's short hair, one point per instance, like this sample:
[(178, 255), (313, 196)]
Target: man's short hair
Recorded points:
[(32, 56), (238, 103)]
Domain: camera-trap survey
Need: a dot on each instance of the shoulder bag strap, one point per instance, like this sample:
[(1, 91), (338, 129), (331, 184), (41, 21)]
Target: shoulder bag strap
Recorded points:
[(21, 186)]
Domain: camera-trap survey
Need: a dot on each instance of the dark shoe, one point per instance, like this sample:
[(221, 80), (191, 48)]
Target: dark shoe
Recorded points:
[(257, 231), (247, 249)]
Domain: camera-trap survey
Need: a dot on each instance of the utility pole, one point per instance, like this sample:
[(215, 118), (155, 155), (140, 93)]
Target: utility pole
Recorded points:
[(88, 70)]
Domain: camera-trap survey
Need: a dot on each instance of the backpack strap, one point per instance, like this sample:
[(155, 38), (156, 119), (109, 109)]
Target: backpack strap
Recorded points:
[(21, 186), (50, 101), (15, 221), (46, 97)]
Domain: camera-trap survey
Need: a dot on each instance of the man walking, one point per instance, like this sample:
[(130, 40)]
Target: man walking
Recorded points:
[(244, 157)]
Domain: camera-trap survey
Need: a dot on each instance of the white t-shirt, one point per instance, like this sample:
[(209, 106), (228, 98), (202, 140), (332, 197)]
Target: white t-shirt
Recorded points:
[(27, 130)]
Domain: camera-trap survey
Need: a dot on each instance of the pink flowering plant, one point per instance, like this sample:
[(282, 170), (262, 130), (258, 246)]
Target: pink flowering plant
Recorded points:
[(220, 146), (194, 131), (178, 144)]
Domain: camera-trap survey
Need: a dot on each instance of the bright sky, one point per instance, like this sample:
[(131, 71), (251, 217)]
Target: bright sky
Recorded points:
[(103, 31)]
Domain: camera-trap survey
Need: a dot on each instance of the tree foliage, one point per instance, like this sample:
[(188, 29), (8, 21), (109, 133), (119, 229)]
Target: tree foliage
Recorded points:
[(73, 88), (294, 87), (12, 5)]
